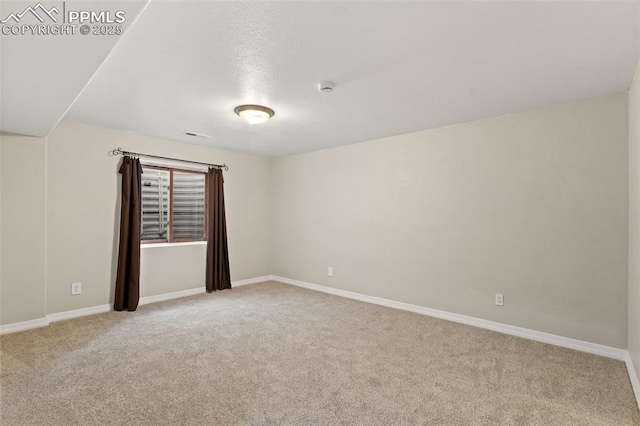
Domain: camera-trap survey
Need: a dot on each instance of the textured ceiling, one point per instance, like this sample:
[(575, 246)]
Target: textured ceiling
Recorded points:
[(43, 74), (398, 67)]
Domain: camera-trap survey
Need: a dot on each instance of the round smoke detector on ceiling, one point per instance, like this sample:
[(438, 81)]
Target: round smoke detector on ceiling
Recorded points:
[(326, 86)]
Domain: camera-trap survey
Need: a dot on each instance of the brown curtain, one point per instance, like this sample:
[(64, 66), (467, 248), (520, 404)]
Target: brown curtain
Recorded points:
[(218, 276), (128, 275)]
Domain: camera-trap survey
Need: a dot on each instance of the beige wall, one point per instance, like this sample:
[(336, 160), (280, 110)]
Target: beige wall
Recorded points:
[(1, 139), (1, 268), (78, 242), (160, 273), (531, 205), (22, 243), (83, 214), (634, 223)]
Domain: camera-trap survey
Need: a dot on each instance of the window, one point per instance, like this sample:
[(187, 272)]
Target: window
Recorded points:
[(173, 205)]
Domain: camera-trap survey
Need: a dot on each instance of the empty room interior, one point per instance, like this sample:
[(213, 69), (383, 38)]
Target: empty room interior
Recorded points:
[(320, 213)]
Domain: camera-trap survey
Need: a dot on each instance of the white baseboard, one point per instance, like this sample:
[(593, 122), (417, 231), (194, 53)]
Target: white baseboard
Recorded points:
[(199, 290), (168, 296), (83, 312), (553, 339), (256, 280), (635, 383), (76, 313), (24, 325)]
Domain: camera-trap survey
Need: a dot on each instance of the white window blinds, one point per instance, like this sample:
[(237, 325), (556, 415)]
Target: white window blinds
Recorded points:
[(173, 205)]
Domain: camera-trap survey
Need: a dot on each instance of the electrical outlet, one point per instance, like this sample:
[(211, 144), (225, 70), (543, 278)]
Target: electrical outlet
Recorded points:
[(499, 299), (76, 288), (330, 271)]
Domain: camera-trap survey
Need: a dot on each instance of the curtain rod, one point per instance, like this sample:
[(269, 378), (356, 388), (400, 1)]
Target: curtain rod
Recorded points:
[(120, 151)]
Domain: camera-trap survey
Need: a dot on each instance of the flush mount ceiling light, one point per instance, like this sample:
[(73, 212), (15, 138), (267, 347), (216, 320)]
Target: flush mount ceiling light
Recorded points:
[(254, 114)]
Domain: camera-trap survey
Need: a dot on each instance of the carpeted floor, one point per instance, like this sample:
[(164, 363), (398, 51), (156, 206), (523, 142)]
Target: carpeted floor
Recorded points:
[(276, 354)]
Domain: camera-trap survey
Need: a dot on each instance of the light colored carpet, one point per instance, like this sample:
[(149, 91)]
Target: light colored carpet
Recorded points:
[(277, 354)]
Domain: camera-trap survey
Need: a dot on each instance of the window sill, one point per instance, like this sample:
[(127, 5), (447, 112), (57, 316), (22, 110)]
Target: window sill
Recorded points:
[(157, 245)]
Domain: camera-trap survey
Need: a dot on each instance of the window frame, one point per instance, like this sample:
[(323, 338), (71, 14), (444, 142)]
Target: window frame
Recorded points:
[(170, 239)]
